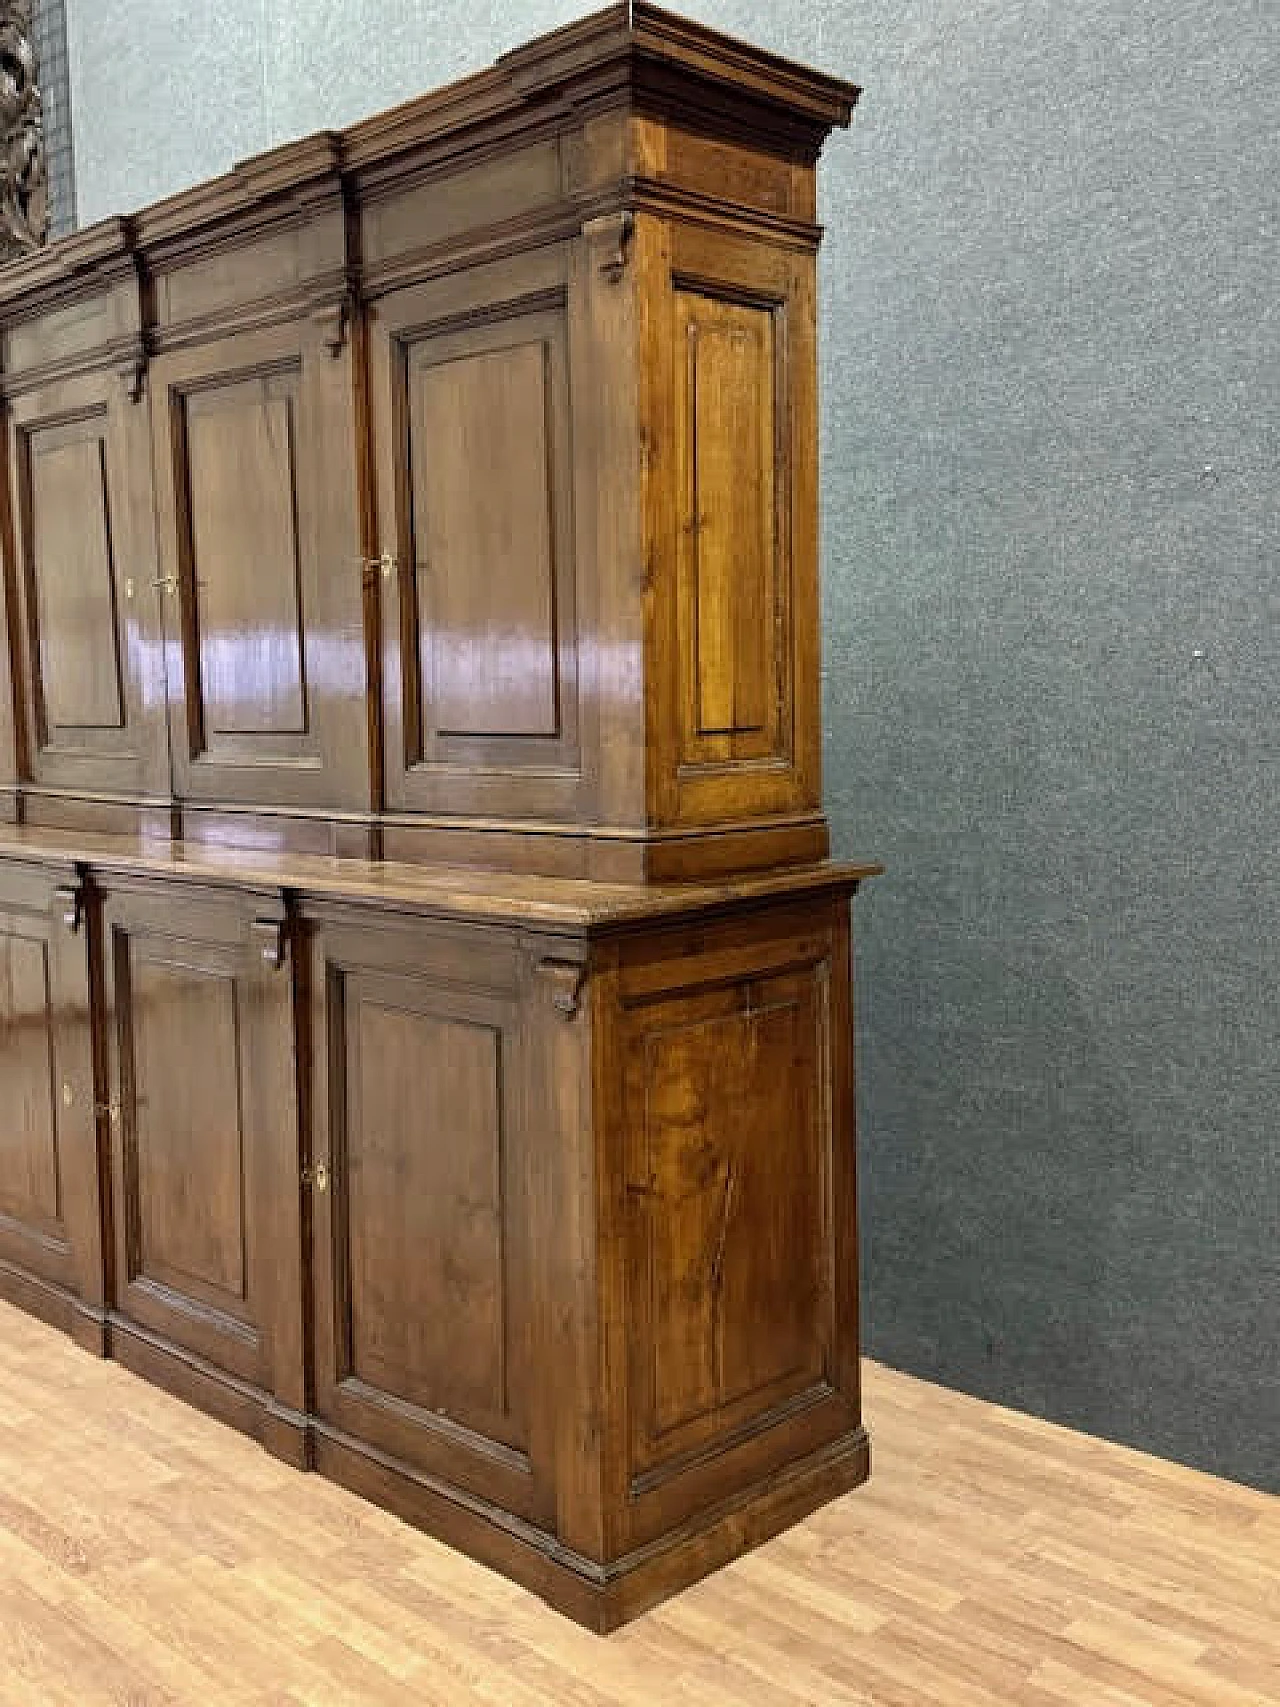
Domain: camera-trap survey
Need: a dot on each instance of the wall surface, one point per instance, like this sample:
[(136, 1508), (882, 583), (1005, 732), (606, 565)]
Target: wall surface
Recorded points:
[(1052, 457)]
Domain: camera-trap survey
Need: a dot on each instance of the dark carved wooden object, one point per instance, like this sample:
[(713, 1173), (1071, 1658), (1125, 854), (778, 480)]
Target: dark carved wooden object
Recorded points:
[(425, 1032), (24, 194)]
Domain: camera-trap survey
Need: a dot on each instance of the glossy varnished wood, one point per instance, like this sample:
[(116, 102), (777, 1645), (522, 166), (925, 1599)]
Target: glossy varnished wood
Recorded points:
[(427, 1034), (446, 485), (477, 485), (88, 662), (409, 1167), (51, 1203), (204, 1140), (426, 1240), (258, 514), (146, 1554)]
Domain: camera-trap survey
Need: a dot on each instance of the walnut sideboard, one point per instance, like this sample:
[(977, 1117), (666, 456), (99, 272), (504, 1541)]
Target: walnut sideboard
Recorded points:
[(425, 995)]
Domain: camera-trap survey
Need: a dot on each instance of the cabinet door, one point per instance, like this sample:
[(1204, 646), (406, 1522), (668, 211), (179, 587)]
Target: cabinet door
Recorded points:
[(90, 673), (425, 1298), (49, 1188), (260, 558), (205, 1131), (475, 462)]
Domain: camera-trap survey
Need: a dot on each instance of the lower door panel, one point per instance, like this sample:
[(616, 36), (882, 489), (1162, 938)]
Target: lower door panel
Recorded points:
[(50, 1201), (204, 1131)]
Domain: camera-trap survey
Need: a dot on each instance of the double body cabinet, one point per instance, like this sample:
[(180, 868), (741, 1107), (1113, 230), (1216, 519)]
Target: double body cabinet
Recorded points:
[(425, 1032)]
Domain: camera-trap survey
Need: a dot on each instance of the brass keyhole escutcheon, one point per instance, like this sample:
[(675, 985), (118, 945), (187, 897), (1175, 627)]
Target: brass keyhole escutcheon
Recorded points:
[(68, 1096)]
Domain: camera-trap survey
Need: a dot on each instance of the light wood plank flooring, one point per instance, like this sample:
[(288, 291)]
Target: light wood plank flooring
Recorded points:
[(149, 1556)]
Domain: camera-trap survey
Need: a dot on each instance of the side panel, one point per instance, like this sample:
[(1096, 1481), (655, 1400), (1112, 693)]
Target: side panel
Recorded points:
[(729, 411), (733, 1138), (735, 619)]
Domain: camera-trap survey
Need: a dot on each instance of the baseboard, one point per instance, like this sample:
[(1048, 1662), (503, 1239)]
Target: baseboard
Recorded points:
[(60, 1309), (601, 1597), (250, 1410)]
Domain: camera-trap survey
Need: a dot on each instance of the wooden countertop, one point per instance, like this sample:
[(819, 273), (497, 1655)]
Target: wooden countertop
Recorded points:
[(575, 905)]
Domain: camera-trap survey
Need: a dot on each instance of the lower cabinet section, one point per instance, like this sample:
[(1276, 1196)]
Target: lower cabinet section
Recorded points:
[(541, 1235)]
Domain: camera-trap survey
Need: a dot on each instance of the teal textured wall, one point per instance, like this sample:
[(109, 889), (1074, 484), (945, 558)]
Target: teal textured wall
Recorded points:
[(1051, 435)]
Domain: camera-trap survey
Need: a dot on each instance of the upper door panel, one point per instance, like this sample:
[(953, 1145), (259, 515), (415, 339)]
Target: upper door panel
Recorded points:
[(91, 670), (475, 473), (262, 571)]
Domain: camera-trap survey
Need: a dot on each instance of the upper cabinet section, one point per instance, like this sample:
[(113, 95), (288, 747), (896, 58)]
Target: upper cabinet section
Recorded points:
[(445, 487)]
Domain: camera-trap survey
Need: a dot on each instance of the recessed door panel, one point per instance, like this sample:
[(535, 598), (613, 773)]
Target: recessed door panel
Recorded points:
[(426, 1324), (242, 480), (735, 622), (50, 1203), (204, 1134), (484, 507), (80, 676), (262, 572), (89, 666), (424, 1175), (188, 1157), (475, 464), (29, 1123)]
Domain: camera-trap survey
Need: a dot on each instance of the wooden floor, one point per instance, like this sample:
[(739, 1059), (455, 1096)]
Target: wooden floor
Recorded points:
[(150, 1556)]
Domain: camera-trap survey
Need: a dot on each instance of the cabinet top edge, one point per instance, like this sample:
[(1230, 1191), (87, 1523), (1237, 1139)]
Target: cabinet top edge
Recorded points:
[(631, 53), (576, 905), (651, 33)]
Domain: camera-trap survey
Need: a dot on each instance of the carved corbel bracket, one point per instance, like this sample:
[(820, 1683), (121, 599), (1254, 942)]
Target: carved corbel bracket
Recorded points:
[(69, 901), (568, 980), (270, 938), (610, 239), (132, 371), (334, 322)]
